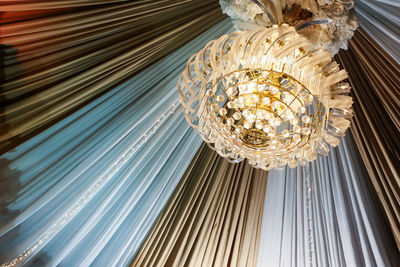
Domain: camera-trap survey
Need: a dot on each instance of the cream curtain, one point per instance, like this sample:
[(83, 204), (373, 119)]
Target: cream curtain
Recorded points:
[(213, 218)]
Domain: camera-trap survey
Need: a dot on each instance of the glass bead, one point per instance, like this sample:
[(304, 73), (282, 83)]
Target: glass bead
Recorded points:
[(248, 124), (230, 105), (296, 138), (306, 119), (289, 115), (230, 121), (309, 98), (274, 90), (214, 107), (259, 124), (254, 98), (285, 133), (267, 129), (268, 115), (276, 104), (251, 117), (265, 101), (306, 130), (231, 91), (277, 122), (252, 86), (236, 116), (297, 129), (222, 112)]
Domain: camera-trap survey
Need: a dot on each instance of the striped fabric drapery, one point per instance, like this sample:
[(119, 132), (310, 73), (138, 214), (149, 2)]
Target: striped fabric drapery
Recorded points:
[(96, 87), (375, 78), (96, 157), (212, 219), (324, 215), (60, 55), (380, 20)]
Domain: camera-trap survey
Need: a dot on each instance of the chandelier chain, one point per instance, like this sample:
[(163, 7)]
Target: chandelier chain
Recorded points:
[(309, 213)]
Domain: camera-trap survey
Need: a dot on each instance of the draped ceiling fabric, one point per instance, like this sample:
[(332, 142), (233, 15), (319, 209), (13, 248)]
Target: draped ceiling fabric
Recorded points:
[(95, 143), (88, 187), (375, 78), (346, 226), (213, 218), (380, 19), (60, 55)]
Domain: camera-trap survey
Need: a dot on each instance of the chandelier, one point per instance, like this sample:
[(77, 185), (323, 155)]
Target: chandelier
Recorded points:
[(268, 95)]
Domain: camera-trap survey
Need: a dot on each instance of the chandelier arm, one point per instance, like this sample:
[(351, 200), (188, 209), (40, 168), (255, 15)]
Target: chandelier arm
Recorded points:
[(270, 16), (312, 22)]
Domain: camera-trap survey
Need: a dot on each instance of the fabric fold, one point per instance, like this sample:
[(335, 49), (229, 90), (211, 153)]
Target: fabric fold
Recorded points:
[(212, 219), (375, 78), (324, 214), (86, 190)]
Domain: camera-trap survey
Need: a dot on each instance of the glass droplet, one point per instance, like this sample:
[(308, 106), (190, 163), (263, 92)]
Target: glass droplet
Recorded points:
[(236, 116), (222, 112)]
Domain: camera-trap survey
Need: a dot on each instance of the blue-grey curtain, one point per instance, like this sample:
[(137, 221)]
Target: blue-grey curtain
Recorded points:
[(324, 215)]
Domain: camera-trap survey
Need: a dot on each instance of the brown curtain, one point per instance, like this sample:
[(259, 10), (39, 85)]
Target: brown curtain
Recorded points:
[(375, 78), (59, 55), (213, 218)]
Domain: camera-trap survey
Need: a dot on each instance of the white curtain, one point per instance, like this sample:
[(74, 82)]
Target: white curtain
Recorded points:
[(88, 189), (345, 227)]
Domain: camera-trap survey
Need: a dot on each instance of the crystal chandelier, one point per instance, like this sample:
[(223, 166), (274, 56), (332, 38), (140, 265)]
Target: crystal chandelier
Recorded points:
[(268, 95)]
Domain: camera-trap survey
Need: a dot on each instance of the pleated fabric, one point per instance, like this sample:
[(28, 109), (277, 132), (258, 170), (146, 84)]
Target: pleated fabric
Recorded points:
[(324, 215), (375, 78), (96, 145), (212, 219), (380, 19), (60, 55), (87, 190)]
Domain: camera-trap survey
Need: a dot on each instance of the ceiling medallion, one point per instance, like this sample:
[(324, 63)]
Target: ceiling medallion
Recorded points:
[(267, 95)]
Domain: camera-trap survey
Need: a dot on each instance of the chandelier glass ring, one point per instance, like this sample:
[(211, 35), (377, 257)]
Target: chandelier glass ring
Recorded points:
[(267, 95)]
